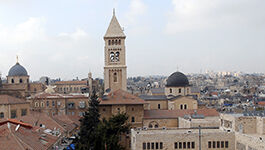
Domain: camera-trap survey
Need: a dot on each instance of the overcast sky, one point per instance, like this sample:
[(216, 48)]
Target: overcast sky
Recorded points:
[(64, 38)]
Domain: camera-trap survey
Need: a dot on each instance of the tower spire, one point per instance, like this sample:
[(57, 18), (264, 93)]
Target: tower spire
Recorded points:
[(113, 11)]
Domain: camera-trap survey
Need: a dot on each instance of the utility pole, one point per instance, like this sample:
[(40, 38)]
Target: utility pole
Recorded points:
[(200, 140)]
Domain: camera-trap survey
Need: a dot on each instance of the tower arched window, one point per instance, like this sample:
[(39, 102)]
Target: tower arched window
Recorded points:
[(109, 42), (115, 78), (181, 106), (179, 90), (119, 42), (185, 106), (112, 42), (12, 81), (112, 56), (117, 56), (20, 81), (170, 90), (116, 42)]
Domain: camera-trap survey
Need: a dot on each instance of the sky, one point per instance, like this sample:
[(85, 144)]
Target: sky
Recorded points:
[(64, 38)]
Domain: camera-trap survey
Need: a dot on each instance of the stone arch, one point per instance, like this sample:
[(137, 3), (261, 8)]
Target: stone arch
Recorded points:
[(153, 124)]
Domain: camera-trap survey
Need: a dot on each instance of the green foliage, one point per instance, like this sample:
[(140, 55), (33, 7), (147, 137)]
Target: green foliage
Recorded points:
[(101, 135)]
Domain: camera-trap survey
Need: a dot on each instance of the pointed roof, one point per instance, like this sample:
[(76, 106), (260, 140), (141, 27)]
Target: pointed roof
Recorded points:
[(114, 29)]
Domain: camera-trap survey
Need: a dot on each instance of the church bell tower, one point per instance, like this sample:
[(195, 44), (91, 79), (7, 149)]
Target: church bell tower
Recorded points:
[(115, 70)]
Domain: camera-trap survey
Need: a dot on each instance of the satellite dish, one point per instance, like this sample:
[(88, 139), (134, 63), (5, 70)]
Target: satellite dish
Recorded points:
[(108, 90)]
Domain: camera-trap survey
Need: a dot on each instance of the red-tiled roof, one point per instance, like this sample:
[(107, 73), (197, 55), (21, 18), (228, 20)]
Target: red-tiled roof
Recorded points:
[(171, 114), (120, 97), (23, 138), (6, 99), (262, 103)]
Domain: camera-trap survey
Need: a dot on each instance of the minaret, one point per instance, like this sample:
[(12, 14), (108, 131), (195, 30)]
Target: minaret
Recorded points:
[(115, 70)]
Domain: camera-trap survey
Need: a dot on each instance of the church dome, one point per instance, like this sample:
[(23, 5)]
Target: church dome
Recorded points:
[(17, 70), (177, 79)]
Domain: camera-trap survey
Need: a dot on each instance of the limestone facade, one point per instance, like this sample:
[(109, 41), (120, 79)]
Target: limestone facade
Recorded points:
[(172, 139)]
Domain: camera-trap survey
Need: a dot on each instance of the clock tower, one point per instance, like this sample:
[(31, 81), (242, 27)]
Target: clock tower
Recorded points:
[(115, 69)]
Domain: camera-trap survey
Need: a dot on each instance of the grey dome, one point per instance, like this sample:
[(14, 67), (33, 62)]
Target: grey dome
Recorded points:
[(177, 79), (17, 70)]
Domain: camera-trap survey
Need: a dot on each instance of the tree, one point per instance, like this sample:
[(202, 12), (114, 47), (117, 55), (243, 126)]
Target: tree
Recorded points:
[(88, 136), (113, 129), (101, 135)]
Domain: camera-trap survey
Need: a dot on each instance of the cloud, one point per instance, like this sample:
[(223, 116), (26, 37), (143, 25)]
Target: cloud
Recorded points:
[(136, 9), (65, 55), (22, 32), (192, 15)]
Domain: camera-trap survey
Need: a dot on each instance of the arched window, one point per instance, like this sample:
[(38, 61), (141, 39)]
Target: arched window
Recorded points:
[(109, 42), (185, 106), (181, 106), (179, 90), (133, 119), (188, 90), (112, 57), (153, 124), (42, 104), (117, 56), (36, 104), (158, 106), (170, 90), (112, 42), (116, 42), (2, 115), (115, 78), (20, 81), (119, 42), (12, 81)]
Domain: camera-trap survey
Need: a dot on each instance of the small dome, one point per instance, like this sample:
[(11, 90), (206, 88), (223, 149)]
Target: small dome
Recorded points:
[(177, 79), (17, 70)]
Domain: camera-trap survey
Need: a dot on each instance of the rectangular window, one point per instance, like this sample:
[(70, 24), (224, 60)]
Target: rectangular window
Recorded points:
[(161, 145), (180, 145), (23, 112), (153, 145), (47, 103), (213, 144), (209, 144), (176, 145), (144, 145), (148, 145), (157, 145), (226, 144), (13, 113), (188, 145), (184, 145), (222, 144), (218, 144), (53, 103), (192, 144)]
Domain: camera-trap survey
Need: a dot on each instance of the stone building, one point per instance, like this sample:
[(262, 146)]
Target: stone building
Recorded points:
[(176, 95), (115, 70), (18, 83), (12, 107), (59, 104), (171, 139)]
